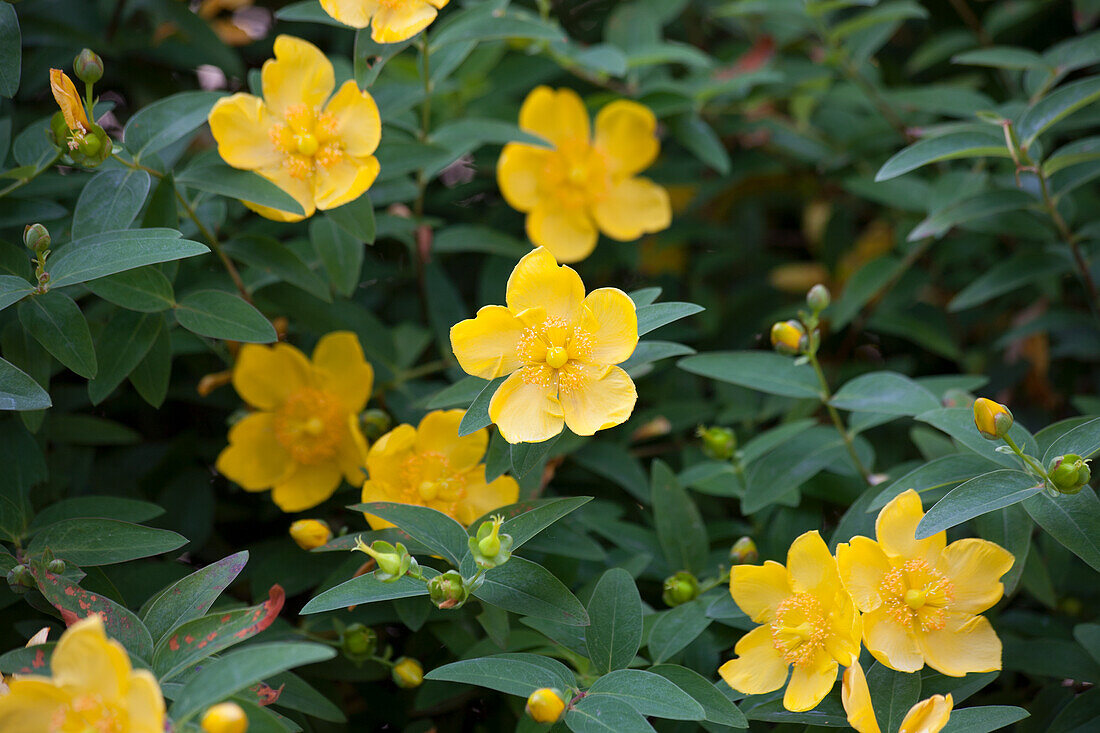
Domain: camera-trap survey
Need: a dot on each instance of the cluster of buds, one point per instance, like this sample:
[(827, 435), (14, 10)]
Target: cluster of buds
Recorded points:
[(394, 561), (719, 444), (225, 717), (489, 547), (545, 705), (796, 337), (72, 130), (310, 533), (358, 642), (448, 590), (680, 588), (37, 239), (407, 673), (1069, 473)]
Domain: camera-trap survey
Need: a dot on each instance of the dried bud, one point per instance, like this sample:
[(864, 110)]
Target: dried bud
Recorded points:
[(88, 66), (789, 337), (818, 298), (1069, 473), (310, 533), (448, 591), (407, 673), (680, 588), (37, 238), (225, 717), (992, 419), (744, 552), (359, 641), (718, 443), (545, 705)]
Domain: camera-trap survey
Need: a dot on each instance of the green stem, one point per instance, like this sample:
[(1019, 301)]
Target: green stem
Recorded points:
[(1027, 460), (20, 182), (826, 396)]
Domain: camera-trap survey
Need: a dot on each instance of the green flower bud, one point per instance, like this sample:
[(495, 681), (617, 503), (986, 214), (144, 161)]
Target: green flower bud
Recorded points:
[(718, 443), (359, 641), (37, 238), (680, 588), (1069, 473), (88, 66), (489, 547), (393, 560), (20, 578), (57, 567), (818, 298), (744, 552), (448, 591), (375, 423)]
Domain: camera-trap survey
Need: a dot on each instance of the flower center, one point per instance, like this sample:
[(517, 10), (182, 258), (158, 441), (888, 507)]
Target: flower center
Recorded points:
[(307, 144), (555, 343), (556, 357), (307, 137), (917, 593), (310, 426), (428, 480), (576, 174), (86, 714), (799, 629)]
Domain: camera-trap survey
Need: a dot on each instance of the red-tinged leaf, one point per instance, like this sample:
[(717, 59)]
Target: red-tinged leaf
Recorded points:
[(192, 596), (198, 639), (266, 694), (762, 51), (28, 660)]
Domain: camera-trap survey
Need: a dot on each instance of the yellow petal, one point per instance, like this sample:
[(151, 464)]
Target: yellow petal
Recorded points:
[(299, 188), (340, 368), (300, 74), (144, 703), (758, 667), (568, 233), (438, 433), (241, 125), (845, 642), (526, 412), (631, 208), (975, 568), (611, 320), (67, 98), (254, 459), (759, 589), (482, 498), (387, 456), (538, 281), (811, 566), (358, 126), (519, 172), (862, 563), (30, 706), (485, 345), (928, 716), (307, 487), (856, 697), (393, 24), (353, 452), (626, 132), (356, 13), (891, 643), (595, 398), (810, 683), (378, 491), (343, 181), (265, 376), (896, 528), (965, 644), (559, 116), (86, 662)]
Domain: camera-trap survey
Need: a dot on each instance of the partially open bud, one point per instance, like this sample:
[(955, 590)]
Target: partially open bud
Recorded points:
[(818, 298), (20, 579), (88, 66), (310, 533), (448, 590), (393, 560), (84, 141), (992, 419), (225, 717), (680, 588), (359, 641), (789, 337), (718, 443), (1069, 473), (375, 423), (37, 238), (407, 673), (489, 547), (744, 552), (545, 705)]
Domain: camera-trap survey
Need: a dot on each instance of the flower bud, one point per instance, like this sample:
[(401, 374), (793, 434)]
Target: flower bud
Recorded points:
[(680, 588), (310, 533), (1069, 473), (407, 673), (489, 547), (818, 298), (88, 66), (448, 591), (718, 443), (744, 552), (992, 419), (375, 423), (57, 567), (36, 237), (225, 717), (789, 337), (359, 641), (545, 705), (20, 579), (393, 560)]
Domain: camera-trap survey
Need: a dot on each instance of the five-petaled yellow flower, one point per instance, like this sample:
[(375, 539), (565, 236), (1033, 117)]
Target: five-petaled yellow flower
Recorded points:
[(391, 21), (304, 435), (808, 622), (927, 716), (585, 184), (92, 688), (920, 599), (560, 349), (320, 153), (430, 465)]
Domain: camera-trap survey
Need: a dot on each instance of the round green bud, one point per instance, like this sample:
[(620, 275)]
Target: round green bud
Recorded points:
[(718, 443), (680, 588), (36, 237), (88, 66), (375, 423), (818, 298), (359, 641), (20, 577), (57, 566), (448, 590), (1069, 473)]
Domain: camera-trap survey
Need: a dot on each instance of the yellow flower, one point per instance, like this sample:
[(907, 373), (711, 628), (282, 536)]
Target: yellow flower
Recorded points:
[(310, 533), (560, 349), (225, 717), (808, 621), (68, 99), (320, 153), (545, 705), (430, 465), (992, 419), (391, 21), (927, 716), (584, 185), (920, 598), (304, 435), (92, 688)]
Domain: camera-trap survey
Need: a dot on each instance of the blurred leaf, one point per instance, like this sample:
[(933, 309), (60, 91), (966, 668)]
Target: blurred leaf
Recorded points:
[(106, 253), (340, 253), (56, 322), (19, 392), (1072, 519), (275, 258), (884, 392), (167, 120), (433, 529), (676, 628), (153, 374), (10, 51), (792, 464), (1054, 107), (110, 201), (760, 370), (125, 341), (191, 596), (107, 507), (946, 147), (221, 315), (615, 634), (894, 694), (605, 714), (982, 206), (680, 528), (477, 238), (697, 136), (615, 462), (933, 476), (86, 541), (887, 12), (1010, 528), (527, 456), (307, 11), (526, 588), (1023, 268), (357, 219), (212, 175), (1071, 154), (143, 289), (512, 674), (13, 289), (487, 22), (652, 317), (648, 693), (1001, 57)]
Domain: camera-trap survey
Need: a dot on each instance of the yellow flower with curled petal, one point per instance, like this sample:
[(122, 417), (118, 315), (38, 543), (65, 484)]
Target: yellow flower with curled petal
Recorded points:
[(808, 622), (391, 21), (304, 435), (321, 153), (920, 599), (927, 716), (585, 184), (430, 465), (560, 349), (92, 688)]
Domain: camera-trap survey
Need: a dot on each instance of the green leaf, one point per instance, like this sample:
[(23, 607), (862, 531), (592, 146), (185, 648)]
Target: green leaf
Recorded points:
[(152, 375), (792, 464), (168, 120), (527, 456), (340, 253), (431, 528), (106, 253), (356, 218), (676, 628), (477, 414), (893, 693), (489, 22), (958, 422), (1022, 268), (889, 12), (13, 289), (86, 541), (125, 341), (763, 371), (512, 674), (470, 133), (368, 589), (191, 596), (106, 507), (946, 147), (1001, 57), (1011, 528), (1072, 519), (605, 714), (110, 201), (525, 519), (648, 693), (144, 289), (1071, 154), (307, 11), (459, 394), (696, 135), (980, 495), (615, 462), (19, 392), (648, 352), (221, 315), (984, 719), (937, 474), (10, 51), (1083, 440), (526, 588), (651, 317), (240, 669), (76, 603), (889, 393), (478, 238), (55, 321), (975, 208), (1054, 107), (680, 528), (615, 634), (210, 174), (271, 256), (717, 708)]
